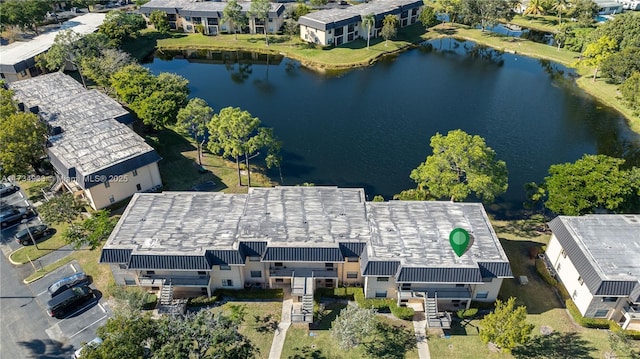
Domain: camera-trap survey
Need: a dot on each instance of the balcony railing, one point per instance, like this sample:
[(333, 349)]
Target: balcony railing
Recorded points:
[(632, 312), (303, 272), (443, 293), (180, 281)]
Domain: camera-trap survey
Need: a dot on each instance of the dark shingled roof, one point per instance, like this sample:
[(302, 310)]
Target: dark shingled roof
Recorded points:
[(440, 275), (169, 262), (285, 254), (224, 257), (115, 255), (381, 268)]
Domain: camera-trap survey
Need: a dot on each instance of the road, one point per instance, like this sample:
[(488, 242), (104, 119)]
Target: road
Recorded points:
[(22, 323)]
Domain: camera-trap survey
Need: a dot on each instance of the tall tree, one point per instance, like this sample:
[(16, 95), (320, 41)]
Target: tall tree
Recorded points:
[(560, 7), (506, 326), (592, 182), (60, 209), (630, 91), (486, 13), (389, 28), (121, 26), (91, 231), (450, 8), (84, 4), (461, 164), (8, 105), (26, 14), (599, 51), (193, 120), (168, 96), (22, 139), (584, 11), (428, 17), (234, 133), (234, 16), (101, 68), (124, 336), (368, 21), (621, 65), (353, 325), (159, 20), (132, 83), (260, 11), (624, 28), (534, 8)]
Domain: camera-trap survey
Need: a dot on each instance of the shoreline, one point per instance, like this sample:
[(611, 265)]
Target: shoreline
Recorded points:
[(600, 90)]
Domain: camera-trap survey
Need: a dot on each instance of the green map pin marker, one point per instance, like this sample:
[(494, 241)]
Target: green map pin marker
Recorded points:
[(459, 239)]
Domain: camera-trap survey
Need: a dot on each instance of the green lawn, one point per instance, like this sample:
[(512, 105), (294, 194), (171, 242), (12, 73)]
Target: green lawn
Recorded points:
[(259, 331), (53, 243), (314, 341), (545, 23)]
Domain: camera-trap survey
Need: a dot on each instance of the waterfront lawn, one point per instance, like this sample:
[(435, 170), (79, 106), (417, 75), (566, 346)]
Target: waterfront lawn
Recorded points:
[(180, 171), (545, 23), (259, 323), (303, 342)]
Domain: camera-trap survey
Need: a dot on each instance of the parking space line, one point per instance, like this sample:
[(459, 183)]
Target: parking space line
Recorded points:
[(87, 327), (77, 311), (74, 268), (41, 293), (101, 307)]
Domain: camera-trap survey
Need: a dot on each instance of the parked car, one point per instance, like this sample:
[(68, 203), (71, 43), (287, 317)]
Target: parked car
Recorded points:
[(37, 232), (65, 283), (7, 188), (13, 214), (95, 342), (69, 299)]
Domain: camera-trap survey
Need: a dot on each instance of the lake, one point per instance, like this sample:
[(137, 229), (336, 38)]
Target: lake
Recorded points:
[(370, 127)]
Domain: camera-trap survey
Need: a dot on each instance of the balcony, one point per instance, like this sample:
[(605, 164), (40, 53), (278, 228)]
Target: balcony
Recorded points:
[(442, 293), (276, 272), (176, 281), (631, 312)]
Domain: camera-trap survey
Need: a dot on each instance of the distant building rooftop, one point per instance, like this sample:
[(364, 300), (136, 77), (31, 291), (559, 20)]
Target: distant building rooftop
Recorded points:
[(89, 139), (200, 8), (332, 18), (14, 57)]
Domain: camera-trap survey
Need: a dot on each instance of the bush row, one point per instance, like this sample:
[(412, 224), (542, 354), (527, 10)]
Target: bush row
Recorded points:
[(249, 293), (383, 305), (404, 313), (341, 292), (543, 272), (585, 322), (202, 301)]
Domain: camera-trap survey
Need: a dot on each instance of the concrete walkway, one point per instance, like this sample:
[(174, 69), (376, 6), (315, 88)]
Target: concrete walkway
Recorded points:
[(278, 338), (419, 327)]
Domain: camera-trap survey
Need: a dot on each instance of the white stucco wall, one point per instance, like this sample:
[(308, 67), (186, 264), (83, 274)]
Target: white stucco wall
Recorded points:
[(124, 186), (235, 274), (316, 36), (371, 286), (493, 288)]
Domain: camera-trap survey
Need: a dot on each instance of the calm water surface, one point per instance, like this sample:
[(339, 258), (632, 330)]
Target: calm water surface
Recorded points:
[(370, 127)]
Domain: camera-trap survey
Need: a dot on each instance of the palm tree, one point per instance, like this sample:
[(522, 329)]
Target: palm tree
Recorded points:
[(535, 8), (560, 6), (368, 22)]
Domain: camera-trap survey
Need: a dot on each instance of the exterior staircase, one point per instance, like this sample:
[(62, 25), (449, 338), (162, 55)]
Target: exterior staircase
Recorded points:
[(166, 294), (434, 318), (303, 313)]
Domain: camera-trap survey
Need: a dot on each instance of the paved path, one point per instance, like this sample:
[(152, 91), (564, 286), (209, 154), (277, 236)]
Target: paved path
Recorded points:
[(281, 332), (419, 327)]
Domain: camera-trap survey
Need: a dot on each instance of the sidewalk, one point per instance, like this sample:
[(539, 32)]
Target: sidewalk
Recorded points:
[(27, 269), (419, 327), (281, 333)]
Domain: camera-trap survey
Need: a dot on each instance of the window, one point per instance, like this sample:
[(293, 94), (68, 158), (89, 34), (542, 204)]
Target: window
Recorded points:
[(406, 286), (111, 199), (139, 187), (352, 259), (564, 254), (107, 184), (256, 274), (202, 273), (277, 264), (558, 267), (129, 282), (574, 295), (254, 259), (382, 279), (352, 275), (328, 265), (580, 280), (134, 172), (187, 18), (150, 272), (122, 266), (381, 294), (279, 280), (459, 285), (482, 295), (203, 291), (610, 299), (601, 313), (225, 267), (227, 283), (189, 27)]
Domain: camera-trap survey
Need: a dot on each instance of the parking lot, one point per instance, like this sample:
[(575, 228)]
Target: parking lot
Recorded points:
[(16, 199), (80, 325)]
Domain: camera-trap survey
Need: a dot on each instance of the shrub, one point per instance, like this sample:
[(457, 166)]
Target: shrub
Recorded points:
[(467, 313), (382, 305), (150, 304), (201, 301), (341, 292), (404, 313), (586, 322), (249, 293), (632, 334), (543, 272), (534, 251)]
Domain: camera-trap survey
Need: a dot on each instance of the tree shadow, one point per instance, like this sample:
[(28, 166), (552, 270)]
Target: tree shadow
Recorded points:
[(390, 342), (333, 310), (554, 345), (47, 349), (307, 353)]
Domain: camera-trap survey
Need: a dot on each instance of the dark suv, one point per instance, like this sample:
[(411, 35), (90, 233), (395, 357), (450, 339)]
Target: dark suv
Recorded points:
[(65, 283), (37, 232), (69, 299), (12, 214)]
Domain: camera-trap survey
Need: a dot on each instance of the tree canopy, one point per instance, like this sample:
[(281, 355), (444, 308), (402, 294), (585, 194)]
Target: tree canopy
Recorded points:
[(624, 28), (234, 133), (619, 66), (63, 208), (461, 164), (233, 14), (259, 9), (592, 182), (353, 325), (25, 14), (159, 20), (584, 11), (101, 68), (389, 28), (121, 26), (368, 21), (486, 13), (599, 51), (630, 91), (193, 120), (427, 17), (23, 138), (91, 231), (506, 326), (451, 8)]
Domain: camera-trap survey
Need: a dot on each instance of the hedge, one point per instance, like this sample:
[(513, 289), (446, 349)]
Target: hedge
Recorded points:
[(404, 313), (201, 301), (467, 313), (250, 293), (543, 272), (381, 305), (586, 322), (341, 292)]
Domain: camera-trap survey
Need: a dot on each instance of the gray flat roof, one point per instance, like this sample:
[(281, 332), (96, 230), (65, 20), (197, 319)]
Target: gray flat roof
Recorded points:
[(610, 242), (416, 233), (413, 233), (92, 139), (197, 8), (320, 19), (17, 52)]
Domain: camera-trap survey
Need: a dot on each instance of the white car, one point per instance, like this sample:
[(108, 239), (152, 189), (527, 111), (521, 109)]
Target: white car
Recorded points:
[(95, 342)]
